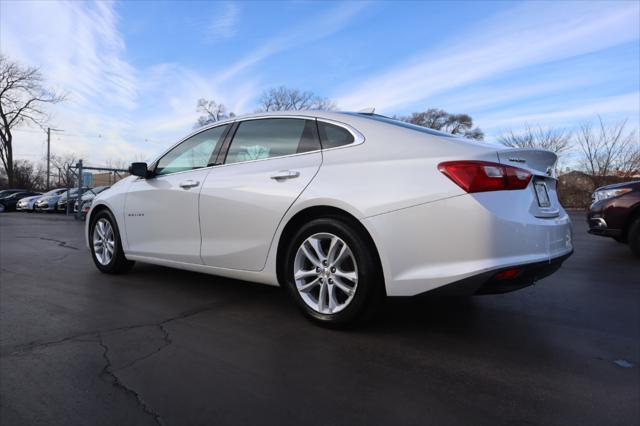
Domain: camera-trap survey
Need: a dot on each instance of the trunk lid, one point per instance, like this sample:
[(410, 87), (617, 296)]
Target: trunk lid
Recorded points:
[(536, 161), (542, 165)]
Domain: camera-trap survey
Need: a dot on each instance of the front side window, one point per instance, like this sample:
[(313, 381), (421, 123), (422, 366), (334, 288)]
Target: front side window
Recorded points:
[(193, 153), (333, 136), (272, 137)]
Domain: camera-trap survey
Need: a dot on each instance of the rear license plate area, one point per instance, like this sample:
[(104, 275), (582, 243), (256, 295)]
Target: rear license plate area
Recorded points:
[(542, 194)]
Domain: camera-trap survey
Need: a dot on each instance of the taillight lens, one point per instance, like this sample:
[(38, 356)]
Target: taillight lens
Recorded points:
[(483, 176)]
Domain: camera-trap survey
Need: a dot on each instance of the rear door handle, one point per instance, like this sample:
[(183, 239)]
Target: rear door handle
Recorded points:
[(285, 174), (189, 184)]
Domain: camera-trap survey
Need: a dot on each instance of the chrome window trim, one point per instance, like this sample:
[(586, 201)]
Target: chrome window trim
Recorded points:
[(194, 133), (358, 138)]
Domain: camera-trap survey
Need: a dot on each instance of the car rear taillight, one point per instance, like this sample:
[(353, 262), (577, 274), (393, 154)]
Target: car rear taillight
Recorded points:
[(483, 176)]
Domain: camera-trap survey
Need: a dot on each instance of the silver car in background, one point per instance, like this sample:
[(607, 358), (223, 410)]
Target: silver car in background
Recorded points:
[(47, 202)]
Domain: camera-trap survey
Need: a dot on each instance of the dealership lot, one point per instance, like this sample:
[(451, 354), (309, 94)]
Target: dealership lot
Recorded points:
[(161, 346)]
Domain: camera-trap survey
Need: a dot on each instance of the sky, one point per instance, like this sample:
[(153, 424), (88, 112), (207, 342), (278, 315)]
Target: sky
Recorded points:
[(134, 70)]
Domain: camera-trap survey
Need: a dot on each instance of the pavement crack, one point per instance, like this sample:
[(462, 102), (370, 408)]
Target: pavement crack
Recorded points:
[(108, 372), (166, 342), (61, 243), (27, 347)]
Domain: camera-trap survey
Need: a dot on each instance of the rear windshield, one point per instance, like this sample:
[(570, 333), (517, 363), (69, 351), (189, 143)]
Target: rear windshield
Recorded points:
[(405, 125)]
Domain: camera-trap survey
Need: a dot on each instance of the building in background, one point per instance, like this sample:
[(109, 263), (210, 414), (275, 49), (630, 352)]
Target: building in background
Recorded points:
[(107, 178)]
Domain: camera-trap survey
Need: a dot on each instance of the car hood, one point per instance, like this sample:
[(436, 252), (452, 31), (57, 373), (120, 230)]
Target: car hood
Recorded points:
[(50, 198), (33, 197), (633, 185)]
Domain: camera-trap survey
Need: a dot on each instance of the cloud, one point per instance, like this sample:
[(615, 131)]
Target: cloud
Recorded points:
[(522, 36), (567, 113), (223, 25), (81, 53), (117, 109), (320, 27)]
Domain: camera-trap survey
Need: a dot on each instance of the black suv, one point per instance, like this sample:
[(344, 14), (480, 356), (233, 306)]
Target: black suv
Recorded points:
[(615, 213)]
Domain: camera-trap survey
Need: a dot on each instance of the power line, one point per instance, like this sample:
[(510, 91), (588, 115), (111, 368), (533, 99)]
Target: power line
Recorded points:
[(95, 136)]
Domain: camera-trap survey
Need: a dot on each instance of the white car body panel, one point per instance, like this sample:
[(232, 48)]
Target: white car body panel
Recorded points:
[(428, 232), (241, 206), (162, 218)]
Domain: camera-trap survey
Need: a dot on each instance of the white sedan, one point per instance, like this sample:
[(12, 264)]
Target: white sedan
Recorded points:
[(340, 208)]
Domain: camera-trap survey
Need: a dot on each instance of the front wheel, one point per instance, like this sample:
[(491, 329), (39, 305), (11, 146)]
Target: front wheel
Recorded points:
[(106, 246), (332, 273)]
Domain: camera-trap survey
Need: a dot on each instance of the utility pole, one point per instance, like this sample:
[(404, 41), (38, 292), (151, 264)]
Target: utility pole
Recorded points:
[(48, 153), (49, 129)]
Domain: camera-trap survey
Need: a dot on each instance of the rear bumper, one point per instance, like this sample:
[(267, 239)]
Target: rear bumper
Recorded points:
[(432, 245), (490, 283)]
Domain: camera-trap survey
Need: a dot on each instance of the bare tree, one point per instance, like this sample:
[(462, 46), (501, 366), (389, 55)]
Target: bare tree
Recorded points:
[(211, 112), (608, 150), (118, 163), (29, 176), (22, 100), (557, 141), (285, 99), (62, 164), (438, 119)]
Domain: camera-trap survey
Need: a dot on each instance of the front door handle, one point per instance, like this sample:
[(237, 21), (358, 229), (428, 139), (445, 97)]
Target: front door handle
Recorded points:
[(285, 174), (189, 184)]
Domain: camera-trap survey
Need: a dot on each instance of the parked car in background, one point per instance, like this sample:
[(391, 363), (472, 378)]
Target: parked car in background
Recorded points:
[(341, 209), (48, 201), (7, 192), (28, 204), (615, 213), (9, 202), (84, 203), (68, 197)]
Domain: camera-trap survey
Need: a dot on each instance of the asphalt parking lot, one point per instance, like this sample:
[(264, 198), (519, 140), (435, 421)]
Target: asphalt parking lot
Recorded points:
[(160, 346)]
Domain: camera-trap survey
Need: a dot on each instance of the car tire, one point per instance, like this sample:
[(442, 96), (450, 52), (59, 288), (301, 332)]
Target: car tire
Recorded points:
[(634, 237), (2, 208), (106, 245), (339, 298)]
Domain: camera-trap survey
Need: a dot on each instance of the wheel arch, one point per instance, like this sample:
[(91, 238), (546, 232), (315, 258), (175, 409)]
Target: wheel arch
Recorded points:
[(316, 212), (631, 218), (92, 214)]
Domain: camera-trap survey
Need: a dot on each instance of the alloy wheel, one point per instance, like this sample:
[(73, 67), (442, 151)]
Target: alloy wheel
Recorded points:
[(103, 241), (325, 273)]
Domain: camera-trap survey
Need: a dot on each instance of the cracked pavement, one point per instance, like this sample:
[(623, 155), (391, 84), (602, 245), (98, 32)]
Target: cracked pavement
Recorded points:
[(166, 347)]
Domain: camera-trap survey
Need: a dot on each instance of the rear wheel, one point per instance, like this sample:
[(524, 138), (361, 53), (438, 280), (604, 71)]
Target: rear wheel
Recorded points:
[(634, 237), (106, 246), (332, 274)]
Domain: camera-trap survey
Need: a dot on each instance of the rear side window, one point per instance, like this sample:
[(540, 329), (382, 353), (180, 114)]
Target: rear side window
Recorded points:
[(193, 153), (333, 136), (272, 137)]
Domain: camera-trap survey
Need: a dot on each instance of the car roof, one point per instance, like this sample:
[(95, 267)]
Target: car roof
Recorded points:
[(331, 115)]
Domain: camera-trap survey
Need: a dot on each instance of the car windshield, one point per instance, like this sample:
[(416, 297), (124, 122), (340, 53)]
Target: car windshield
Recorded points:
[(7, 192), (54, 192)]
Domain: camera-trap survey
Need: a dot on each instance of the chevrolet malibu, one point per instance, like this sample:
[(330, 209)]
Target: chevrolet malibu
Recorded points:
[(342, 209)]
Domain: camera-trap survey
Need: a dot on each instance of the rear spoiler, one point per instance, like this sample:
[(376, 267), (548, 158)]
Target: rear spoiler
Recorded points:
[(537, 161)]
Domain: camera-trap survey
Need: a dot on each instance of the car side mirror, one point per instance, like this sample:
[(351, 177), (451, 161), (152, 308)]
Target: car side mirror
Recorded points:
[(139, 169)]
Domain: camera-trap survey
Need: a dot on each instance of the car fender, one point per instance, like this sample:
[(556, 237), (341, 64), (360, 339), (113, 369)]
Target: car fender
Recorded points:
[(304, 203), (113, 199)]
